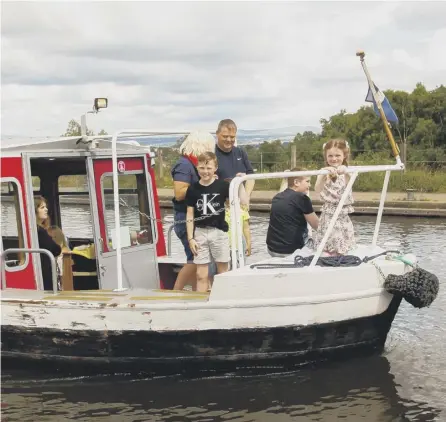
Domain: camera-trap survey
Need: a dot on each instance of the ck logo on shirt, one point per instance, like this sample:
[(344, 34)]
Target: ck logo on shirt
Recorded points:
[(206, 204)]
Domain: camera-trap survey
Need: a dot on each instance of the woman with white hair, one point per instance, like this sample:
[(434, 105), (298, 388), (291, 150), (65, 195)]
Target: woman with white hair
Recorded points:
[(184, 173)]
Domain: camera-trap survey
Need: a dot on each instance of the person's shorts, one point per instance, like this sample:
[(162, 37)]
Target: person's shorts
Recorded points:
[(181, 232), (277, 255), (212, 244)]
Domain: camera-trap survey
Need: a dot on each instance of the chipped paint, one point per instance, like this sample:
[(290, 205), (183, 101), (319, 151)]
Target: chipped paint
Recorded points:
[(75, 324), (189, 316), (133, 350), (99, 316)]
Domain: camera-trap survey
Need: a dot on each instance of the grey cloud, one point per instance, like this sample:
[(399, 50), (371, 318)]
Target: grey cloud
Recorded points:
[(153, 53), (328, 81), (182, 64), (422, 16), (73, 77)]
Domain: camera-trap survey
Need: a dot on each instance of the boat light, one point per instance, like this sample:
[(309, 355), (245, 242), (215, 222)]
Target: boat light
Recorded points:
[(100, 103)]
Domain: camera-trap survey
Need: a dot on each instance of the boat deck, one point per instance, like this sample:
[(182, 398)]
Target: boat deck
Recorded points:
[(108, 297)]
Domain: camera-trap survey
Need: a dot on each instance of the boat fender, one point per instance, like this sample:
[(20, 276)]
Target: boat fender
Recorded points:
[(418, 287)]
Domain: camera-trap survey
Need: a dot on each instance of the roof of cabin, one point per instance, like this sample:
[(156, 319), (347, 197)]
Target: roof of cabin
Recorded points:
[(68, 144), (126, 141)]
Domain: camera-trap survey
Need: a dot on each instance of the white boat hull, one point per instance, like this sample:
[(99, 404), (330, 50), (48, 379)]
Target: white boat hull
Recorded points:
[(271, 314)]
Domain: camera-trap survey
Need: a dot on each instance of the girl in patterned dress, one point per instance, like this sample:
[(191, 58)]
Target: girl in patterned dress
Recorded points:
[(331, 188)]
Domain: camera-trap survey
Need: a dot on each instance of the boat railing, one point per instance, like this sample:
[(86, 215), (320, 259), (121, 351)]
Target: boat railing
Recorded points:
[(128, 133), (236, 241), (169, 239), (46, 252)]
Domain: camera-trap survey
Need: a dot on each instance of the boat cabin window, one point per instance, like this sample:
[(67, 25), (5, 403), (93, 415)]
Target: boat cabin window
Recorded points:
[(36, 183), (12, 221), (134, 210), (62, 182), (75, 214)]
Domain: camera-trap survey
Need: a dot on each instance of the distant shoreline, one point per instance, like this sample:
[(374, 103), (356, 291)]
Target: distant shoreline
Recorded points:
[(366, 203)]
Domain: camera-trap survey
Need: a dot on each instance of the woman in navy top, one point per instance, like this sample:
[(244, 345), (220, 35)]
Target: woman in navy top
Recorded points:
[(184, 173)]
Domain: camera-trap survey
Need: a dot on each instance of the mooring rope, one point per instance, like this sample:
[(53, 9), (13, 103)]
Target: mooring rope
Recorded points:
[(326, 261), (418, 286)]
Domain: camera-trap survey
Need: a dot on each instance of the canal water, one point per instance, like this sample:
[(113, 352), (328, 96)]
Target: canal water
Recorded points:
[(406, 383)]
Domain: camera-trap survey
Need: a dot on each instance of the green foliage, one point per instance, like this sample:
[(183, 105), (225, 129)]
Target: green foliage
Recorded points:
[(420, 180), (268, 155), (74, 129), (421, 130), (421, 125)]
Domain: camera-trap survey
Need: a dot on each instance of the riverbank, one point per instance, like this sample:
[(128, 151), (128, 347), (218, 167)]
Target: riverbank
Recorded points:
[(366, 203)]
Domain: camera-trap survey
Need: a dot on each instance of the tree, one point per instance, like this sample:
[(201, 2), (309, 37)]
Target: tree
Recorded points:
[(74, 129), (308, 148), (274, 155), (421, 127)]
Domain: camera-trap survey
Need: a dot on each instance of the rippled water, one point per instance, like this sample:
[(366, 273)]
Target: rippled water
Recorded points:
[(406, 383)]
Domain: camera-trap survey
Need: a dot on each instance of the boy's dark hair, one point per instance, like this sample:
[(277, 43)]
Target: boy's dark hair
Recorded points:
[(206, 157), (299, 178)]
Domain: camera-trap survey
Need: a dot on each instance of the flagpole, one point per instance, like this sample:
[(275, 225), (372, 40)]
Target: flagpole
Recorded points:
[(395, 149)]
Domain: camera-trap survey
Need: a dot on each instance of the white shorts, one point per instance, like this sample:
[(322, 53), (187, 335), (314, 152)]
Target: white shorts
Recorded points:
[(211, 242)]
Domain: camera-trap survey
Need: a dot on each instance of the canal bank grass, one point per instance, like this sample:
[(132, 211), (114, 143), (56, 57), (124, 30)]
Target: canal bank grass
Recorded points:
[(420, 180)]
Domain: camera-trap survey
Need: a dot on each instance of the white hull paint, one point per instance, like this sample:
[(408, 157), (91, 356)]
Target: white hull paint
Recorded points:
[(82, 316), (287, 314), (241, 299)]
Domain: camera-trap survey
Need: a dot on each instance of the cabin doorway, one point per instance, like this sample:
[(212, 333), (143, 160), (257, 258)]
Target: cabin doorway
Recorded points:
[(137, 227), (62, 180)]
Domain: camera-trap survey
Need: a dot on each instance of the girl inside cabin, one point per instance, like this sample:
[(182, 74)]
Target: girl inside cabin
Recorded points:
[(331, 188), (45, 240)]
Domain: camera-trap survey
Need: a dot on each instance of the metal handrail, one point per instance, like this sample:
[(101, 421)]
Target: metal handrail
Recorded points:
[(26, 250), (169, 240), (237, 255)]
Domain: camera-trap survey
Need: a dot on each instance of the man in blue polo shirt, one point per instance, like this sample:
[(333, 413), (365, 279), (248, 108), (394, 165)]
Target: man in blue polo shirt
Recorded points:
[(232, 161)]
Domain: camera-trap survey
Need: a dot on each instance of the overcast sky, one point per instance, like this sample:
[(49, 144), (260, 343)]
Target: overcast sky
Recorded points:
[(187, 65)]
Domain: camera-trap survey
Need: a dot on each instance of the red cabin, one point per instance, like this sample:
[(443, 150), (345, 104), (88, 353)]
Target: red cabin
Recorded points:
[(72, 171)]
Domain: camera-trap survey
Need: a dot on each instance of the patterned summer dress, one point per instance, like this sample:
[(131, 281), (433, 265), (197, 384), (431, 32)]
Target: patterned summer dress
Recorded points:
[(342, 237)]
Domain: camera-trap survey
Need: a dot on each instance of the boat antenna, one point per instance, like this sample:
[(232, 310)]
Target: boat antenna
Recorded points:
[(377, 100)]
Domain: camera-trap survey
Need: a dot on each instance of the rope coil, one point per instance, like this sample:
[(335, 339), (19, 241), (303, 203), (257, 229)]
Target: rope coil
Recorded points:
[(326, 261), (418, 286)]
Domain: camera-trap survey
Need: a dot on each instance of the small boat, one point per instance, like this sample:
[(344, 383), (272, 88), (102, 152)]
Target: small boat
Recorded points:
[(117, 311)]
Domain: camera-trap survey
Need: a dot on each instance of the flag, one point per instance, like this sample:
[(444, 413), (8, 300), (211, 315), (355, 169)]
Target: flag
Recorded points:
[(387, 108)]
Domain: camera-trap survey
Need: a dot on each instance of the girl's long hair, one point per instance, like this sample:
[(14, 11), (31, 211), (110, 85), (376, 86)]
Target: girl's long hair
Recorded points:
[(38, 201)]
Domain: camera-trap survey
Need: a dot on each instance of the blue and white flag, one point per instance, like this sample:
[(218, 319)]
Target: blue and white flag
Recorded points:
[(387, 108)]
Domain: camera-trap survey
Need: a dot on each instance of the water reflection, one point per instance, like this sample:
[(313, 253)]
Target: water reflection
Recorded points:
[(362, 389)]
